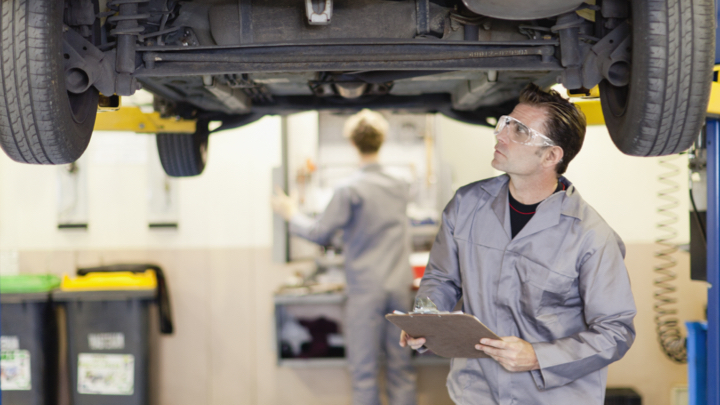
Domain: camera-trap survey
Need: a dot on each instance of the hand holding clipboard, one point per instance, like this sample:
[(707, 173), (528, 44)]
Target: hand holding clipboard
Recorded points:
[(447, 335)]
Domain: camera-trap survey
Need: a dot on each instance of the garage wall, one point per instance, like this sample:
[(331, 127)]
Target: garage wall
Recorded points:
[(221, 276), (226, 206)]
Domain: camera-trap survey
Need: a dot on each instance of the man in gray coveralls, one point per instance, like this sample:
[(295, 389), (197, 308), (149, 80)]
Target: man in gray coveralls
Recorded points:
[(537, 265), (369, 208)]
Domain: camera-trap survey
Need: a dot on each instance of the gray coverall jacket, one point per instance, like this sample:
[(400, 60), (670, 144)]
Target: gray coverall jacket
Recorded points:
[(560, 284), (370, 208)]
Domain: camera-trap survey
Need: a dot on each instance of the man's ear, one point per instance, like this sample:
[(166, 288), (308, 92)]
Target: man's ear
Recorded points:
[(553, 156)]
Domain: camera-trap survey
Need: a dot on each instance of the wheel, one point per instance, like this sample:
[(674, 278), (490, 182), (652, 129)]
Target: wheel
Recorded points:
[(40, 121), (184, 155), (662, 110)]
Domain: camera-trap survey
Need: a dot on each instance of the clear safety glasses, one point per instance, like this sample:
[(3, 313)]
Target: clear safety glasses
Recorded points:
[(521, 133)]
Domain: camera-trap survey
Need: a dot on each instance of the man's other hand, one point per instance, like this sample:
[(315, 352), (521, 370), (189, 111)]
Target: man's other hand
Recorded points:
[(283, 204), (513, 353), (407, 340)]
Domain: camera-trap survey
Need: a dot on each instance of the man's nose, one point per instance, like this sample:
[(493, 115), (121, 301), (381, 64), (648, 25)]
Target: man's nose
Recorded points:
[(502, 135)]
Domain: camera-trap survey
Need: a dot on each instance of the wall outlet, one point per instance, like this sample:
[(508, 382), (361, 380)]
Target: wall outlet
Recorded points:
[(679, 395)]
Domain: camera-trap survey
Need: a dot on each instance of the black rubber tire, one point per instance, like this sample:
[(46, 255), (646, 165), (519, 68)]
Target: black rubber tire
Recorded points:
[(183, 155), (40, 122), (662, 110)]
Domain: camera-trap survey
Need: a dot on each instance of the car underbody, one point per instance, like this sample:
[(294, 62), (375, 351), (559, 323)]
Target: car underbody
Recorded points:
[(224, 59), (235, 61)]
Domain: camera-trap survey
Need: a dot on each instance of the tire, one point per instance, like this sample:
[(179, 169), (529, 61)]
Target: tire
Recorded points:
[(40, 121), (662, 110), (184, 155)]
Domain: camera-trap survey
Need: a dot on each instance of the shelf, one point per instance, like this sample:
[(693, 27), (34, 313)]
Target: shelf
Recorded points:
[(334, 301), (424, 230), (310, 299), (312, 363), (341, 362)]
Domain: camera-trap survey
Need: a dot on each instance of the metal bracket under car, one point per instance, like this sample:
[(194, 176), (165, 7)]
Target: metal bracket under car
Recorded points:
[(609, 59), (319, 12), (85, 65)]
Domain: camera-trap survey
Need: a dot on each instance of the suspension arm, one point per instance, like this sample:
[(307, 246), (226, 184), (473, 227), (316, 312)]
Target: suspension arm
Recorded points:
[(417, 55)]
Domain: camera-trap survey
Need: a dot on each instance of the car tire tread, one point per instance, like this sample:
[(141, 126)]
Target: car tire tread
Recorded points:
[(36, 120), (182, 155), (670, 80)]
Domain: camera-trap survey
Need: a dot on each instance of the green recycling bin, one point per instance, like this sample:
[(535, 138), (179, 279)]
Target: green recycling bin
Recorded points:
[(28, 340), (107, 312)]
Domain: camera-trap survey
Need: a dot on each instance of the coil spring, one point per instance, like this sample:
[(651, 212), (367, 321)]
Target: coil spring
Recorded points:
[(115, 19), (667, 325)]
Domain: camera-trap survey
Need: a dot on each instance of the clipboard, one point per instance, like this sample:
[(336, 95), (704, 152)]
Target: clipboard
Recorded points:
[(447, 335)]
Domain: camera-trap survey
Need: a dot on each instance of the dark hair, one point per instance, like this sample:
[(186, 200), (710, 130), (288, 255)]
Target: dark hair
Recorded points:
[(565, 124), (367, 137)]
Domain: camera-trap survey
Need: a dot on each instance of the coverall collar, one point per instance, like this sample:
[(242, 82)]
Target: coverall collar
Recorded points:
[(371, 167), (548, 212)]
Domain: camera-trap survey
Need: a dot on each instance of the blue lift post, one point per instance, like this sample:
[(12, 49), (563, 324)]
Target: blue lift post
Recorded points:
[(703, 341), (713, 261), (703, 338), (697, 363), (713, 244)]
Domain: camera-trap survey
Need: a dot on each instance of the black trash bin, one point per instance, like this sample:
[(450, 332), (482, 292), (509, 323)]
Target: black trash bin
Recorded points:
[(622, 396), (29, 340), (107, 313)]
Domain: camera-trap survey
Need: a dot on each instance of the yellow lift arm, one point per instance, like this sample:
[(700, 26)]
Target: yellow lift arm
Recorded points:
[(132, 119), (594, 115), (714, 105), (592, 110)]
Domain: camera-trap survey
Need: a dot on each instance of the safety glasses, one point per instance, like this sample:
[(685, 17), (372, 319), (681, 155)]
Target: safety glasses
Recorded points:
[(521, 133)]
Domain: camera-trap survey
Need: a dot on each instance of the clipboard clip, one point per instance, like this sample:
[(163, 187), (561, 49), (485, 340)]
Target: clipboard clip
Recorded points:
[(425, 306)]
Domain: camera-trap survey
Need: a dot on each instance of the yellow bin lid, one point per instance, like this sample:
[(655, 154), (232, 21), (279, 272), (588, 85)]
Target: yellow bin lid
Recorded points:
[(101, 281)]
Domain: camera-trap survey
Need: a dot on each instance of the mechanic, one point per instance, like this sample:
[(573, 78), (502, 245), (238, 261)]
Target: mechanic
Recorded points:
[(537, 265), (370, 209)]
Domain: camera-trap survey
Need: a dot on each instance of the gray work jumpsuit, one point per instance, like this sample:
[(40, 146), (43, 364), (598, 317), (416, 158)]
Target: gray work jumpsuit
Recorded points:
[(560, 284), (370, 209)]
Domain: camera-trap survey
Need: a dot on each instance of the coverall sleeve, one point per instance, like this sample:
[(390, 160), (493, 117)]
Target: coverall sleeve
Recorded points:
[(337, 214), (441, 281), (609, 309)]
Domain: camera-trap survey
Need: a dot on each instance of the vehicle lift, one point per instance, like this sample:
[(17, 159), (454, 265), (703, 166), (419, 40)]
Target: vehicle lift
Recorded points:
[(703, 343)]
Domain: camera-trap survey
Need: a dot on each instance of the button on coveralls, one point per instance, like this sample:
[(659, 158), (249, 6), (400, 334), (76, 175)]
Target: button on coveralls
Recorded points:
[(370, 209), (560, 284)]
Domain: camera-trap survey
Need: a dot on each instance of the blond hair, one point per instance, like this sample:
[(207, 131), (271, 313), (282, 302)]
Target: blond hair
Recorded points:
[(367, 130)]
